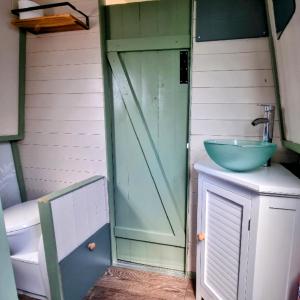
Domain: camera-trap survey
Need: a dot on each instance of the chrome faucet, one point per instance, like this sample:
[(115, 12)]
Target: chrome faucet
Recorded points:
[(268, 121)]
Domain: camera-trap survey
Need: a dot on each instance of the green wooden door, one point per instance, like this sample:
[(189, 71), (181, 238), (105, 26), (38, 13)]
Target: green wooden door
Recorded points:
[(150, 112)]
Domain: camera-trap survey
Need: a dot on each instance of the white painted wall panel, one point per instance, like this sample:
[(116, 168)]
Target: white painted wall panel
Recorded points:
[(232, 46), (87, 6), (64, 132), (71, 86), (221, 127), (233, 95), (65, 100), (62, 58), (65, 113), (225, 111), (83, 71), (224, 79), (73, 153), (232, 61), (58, 177), (78, 215), (65, 127), (64, 41), (9, 72), (71, 140), (64, 225), (71, 164)]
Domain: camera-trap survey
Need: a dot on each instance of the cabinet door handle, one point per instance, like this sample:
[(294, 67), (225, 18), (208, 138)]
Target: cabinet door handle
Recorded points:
[(201, 236), (91, 246)]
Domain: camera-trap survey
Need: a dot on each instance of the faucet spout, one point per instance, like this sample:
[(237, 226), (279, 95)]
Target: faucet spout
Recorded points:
[(268, 121), (260, 121)]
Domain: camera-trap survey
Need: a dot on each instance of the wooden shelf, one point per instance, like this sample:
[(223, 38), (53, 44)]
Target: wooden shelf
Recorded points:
[(47, 24)]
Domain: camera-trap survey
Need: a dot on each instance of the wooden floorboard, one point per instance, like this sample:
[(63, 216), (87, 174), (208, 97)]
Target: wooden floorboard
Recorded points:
[(121, 283), (128, 284)]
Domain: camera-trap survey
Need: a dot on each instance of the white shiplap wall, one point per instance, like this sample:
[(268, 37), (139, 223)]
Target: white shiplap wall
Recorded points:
[(9, 72), (229, 79), (64, 132)]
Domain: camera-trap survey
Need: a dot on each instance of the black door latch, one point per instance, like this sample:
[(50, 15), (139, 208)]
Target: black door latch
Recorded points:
[(184, 67)]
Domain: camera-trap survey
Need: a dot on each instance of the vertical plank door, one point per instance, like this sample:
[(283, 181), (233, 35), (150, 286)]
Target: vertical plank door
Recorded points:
[(150, 126)]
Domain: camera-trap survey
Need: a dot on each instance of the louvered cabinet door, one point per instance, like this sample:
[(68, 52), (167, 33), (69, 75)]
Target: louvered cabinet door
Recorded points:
[(222, 251)]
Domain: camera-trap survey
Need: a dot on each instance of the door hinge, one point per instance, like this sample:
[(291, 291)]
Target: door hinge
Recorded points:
[(188, 146), (249, 224), (184, 67)]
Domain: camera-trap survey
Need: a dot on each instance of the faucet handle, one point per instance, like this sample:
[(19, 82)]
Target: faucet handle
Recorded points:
[(267, 107)]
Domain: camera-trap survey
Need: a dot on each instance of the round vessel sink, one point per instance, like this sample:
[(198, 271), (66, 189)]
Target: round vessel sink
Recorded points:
[(239, 155)]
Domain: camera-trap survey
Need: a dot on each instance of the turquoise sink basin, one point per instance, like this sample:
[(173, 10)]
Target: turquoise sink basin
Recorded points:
[(239, 155)]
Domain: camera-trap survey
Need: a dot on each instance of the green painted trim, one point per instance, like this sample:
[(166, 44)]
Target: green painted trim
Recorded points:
[(22, 77), (76, 186), (19, 171), (292, 146), (272, 28), (108, 126), (8, 290), (272, 37), (21, 112), (188, 177), (8, 138), (50, 251), (143, 235), (145, 268), (151, 43)]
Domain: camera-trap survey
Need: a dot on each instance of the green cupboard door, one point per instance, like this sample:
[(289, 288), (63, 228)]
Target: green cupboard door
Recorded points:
[(150, 153)]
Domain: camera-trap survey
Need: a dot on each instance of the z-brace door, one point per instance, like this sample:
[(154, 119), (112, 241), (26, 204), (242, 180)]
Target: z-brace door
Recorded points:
[(150, 93)]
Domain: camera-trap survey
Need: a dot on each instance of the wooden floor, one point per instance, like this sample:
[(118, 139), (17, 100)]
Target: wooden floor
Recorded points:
[(127, 284), (123, 284)]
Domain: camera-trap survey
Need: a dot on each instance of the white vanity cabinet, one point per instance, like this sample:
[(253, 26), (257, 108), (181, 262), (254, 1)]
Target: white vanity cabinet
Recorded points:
[(248, 234)]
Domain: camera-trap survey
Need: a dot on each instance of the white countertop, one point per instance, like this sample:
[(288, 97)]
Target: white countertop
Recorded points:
[(270, 180)]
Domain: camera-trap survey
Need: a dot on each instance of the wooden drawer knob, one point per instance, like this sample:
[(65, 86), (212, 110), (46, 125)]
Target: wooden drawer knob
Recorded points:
[(91, 246), (201, 236)]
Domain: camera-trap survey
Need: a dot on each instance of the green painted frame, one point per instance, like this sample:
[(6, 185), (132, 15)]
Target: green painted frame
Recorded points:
[(108, 127), (189, 238), (50, 250), (22, 71), (186, 40), (273, 36), (291, 146), (154, 43), (8, 288), (19, 171), (49, 235)]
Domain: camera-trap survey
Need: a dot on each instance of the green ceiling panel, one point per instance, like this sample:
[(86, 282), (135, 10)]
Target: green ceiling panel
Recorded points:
[(230, 19)]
